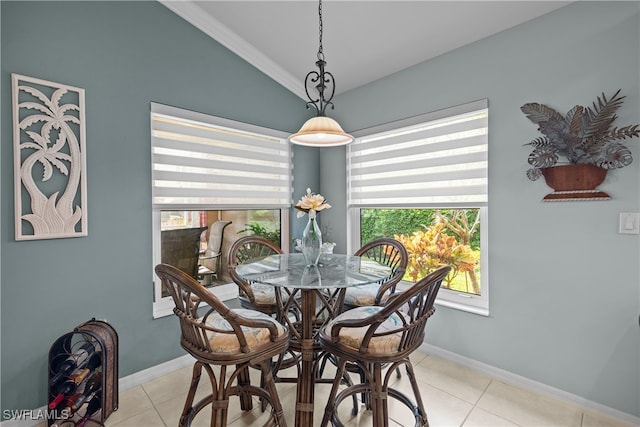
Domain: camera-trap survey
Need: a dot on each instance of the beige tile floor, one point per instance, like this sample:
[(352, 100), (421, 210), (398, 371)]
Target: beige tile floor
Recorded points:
[(454, 396)]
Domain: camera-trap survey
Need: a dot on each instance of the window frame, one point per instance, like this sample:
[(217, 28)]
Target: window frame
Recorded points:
[(477, 304), (163, 306)]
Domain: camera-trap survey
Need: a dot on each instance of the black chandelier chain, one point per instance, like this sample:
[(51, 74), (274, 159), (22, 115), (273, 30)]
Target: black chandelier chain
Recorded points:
[(320, 28), (320, 80)]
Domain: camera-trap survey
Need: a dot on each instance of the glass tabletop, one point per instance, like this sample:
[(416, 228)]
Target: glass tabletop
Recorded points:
[(332, 271)]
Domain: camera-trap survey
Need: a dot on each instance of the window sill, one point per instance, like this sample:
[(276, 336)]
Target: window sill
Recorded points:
[(463, 307), (456, 300)]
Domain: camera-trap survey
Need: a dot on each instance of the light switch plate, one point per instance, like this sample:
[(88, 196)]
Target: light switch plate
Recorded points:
[(629, 223)]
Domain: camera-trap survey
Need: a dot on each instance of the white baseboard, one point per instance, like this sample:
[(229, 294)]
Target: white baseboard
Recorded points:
[(154, 372), (529, 384)]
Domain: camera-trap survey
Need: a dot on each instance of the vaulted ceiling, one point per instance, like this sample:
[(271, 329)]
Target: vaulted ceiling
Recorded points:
[(362, 40)]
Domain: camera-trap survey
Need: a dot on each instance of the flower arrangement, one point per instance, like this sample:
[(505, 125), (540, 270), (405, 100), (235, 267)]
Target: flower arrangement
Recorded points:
[(311, 204), (311, 242)]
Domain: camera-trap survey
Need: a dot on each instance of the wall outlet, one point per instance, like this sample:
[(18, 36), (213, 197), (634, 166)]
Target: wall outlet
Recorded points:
[(629, 223)]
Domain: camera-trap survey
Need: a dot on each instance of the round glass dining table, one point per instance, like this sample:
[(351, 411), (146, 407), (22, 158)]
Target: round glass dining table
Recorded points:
[(316, 294)]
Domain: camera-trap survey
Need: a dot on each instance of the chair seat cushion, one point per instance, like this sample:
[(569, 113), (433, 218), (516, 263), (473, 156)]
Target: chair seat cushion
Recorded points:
[(263, 294), (353, 337), (228, 342), (357, 296)]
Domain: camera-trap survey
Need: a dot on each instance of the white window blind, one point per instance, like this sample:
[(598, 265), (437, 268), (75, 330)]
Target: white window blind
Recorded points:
[(199, 161), (427, 161)]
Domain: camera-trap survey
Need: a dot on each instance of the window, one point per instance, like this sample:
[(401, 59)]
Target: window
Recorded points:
[(207, 169), (423, 181), (211, 233)]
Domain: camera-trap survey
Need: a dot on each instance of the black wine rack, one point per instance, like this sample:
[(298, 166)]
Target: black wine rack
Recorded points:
[(105, 339)]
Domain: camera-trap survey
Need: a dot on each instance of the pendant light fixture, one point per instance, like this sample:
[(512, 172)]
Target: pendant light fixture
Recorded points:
[(320, 131)]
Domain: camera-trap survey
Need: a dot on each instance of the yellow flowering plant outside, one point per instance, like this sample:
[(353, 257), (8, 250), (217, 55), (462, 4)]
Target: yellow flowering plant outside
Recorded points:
[(432, 248)]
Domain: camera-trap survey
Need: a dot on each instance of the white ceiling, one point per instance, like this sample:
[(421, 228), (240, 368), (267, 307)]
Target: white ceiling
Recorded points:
[(362, 40)]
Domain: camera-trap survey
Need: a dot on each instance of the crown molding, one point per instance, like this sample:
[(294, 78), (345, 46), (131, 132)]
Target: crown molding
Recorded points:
[(193, 14)]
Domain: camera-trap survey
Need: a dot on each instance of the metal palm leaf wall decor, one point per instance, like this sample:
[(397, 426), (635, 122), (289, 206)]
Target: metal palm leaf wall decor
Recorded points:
[(584, 136)]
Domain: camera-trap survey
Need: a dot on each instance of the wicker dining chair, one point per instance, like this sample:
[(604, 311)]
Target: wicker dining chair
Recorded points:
[(260, 297), (385, 251), (380, 339), (253, 295), (233, 340)]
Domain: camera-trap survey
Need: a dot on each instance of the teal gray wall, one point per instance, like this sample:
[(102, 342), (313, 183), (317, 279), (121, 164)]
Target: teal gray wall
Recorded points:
[(306, 174), (564, 284), (125, 55), (564, 295)]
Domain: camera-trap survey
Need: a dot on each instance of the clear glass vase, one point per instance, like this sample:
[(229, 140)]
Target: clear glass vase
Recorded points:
[(311, 242)]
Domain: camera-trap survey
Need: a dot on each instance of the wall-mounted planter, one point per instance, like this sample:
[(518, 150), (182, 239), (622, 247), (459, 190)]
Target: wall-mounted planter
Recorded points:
[(586, 139), (574, 182)]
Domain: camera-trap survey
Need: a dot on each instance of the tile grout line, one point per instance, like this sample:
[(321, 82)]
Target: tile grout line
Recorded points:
[(154, 406), (475, 405)]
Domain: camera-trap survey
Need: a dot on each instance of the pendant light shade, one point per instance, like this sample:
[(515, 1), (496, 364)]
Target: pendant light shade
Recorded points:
[(320, 131)]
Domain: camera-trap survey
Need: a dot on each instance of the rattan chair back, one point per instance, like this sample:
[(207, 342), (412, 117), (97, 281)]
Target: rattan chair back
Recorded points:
[(248, 249), (387, 252), (375, 338), (216, 335)]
